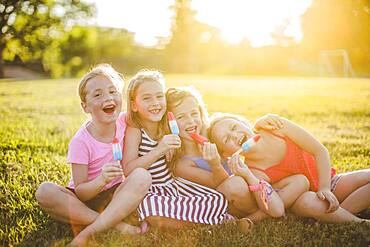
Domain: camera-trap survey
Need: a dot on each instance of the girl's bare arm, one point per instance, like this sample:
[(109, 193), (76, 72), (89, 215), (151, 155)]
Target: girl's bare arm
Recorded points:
[(86, 190), (308, 142), (188, 170), (131, 159)]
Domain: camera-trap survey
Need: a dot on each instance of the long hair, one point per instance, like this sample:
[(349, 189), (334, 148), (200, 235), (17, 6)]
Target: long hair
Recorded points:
[(133, 118), (175, 96)]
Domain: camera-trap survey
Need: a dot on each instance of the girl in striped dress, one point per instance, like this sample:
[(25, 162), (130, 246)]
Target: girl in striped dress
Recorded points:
[(170, 202)]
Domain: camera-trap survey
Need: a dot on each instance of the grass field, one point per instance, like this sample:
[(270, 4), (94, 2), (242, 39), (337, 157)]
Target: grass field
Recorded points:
[(38, 118)]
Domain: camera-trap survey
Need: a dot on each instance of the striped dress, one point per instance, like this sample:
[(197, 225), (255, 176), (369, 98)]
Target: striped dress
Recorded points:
[(178, 198)]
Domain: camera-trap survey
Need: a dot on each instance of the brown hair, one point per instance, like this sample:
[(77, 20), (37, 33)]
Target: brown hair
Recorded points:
[(142, 76), (100, 70), (175, 96)]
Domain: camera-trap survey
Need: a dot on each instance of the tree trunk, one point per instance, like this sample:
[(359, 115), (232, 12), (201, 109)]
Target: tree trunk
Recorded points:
[(2, 74)]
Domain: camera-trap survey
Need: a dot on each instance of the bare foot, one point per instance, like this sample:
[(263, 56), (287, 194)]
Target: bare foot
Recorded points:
[(245, 225), (78, 241), (127, 229)]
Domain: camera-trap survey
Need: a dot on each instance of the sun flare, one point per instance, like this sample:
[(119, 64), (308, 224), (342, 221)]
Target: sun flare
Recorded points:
[(236, 19)]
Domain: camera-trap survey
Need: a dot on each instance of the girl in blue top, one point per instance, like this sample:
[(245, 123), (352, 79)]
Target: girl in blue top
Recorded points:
[(202, 164)]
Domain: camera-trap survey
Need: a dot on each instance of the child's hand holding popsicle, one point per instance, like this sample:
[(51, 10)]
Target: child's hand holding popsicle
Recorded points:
[(171, 141), (117, 155), (209, 150), (210, 154), (110, 171)]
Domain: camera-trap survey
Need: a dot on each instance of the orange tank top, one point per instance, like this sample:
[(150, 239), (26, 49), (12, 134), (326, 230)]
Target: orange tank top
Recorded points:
[(295, 161)]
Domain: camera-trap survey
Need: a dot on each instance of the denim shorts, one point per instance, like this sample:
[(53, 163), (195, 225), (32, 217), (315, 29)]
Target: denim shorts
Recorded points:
[(334, 181)]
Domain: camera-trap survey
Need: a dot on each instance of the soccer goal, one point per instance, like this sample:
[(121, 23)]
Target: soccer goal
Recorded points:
[(335, 63)]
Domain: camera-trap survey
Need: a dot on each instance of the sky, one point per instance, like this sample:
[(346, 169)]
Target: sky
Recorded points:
[(236, 19)]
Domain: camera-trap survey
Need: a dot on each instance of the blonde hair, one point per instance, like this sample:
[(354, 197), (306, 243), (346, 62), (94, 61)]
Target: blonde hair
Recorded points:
[(142, 76), (100, 70), (219, 116), (175, 96)]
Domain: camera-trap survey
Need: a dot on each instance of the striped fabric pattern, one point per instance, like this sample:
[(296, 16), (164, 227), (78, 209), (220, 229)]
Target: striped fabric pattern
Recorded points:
[(178, 198)]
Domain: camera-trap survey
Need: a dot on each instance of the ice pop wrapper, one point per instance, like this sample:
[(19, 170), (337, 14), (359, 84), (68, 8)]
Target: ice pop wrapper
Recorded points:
[(248, 144), (198, 138), (117, 151), (172, 123)]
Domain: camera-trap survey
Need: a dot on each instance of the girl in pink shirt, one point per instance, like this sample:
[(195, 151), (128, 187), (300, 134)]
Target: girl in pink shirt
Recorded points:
[(97, 196)]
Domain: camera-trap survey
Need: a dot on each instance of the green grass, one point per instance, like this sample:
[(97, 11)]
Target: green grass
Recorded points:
[(38, 118)]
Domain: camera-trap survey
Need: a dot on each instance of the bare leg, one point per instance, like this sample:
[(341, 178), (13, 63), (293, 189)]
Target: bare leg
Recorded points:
[(309, 205), (241, 201), (168, 223), (353, 191), (126, 198), (290, 188), (63, 205)]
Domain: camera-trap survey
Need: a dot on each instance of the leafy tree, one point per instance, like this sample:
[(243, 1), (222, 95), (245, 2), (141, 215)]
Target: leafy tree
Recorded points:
[(29, 28), (336, 24), (181, 47)]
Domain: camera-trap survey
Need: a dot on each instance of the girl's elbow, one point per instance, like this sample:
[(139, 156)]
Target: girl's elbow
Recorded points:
[(278, 211), (322, 150)]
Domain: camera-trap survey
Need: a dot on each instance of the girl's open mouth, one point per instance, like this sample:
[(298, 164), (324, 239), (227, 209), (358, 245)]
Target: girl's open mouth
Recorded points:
[(155, 111), (109, 109), (191, 130), (242, 139)]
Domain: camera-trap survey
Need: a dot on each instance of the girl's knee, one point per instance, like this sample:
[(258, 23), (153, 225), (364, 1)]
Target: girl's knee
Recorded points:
[(45, 192), (141, 178), (309, 205), (236, 187)]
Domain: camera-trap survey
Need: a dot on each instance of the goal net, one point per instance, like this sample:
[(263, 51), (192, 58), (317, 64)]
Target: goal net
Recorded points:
[(335, 63)]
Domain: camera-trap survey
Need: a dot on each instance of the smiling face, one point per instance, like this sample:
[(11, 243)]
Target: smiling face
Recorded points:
[(103, 100), (188, 117), (149, 101), (229, 134)]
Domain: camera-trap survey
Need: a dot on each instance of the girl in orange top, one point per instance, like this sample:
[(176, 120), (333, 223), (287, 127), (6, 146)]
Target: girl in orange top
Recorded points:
[(293, 150)]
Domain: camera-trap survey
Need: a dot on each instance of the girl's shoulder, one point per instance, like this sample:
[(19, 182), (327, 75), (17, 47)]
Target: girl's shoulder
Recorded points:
[(82, 134), (188, 160)]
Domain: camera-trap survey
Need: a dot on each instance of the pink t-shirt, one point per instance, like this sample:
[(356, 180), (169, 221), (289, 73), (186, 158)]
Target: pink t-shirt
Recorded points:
[(84, 149)]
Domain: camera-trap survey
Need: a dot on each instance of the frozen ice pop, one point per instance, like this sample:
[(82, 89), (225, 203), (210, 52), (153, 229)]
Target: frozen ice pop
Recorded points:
[(172, 123), (117, 150), (198, 138), (248, 144)]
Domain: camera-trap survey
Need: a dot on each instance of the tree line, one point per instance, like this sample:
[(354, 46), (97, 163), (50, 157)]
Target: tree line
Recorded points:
[(54, 38)]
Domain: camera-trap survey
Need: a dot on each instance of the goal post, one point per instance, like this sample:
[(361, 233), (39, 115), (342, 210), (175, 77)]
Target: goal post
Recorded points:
[(335, 63)]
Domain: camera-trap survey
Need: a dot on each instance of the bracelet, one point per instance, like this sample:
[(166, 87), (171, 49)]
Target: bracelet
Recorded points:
[(255, 187), (266, 189)]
